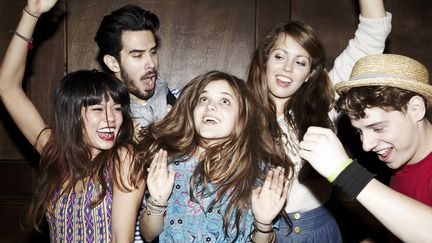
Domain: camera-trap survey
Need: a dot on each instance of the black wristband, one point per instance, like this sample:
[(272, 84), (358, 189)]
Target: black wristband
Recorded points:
[(353, 179)]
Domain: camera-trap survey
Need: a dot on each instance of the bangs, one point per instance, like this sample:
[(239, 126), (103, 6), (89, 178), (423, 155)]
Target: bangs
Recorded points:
[(104, 87)]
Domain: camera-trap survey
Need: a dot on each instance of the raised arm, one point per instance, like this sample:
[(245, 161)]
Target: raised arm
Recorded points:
[(22, 111), (369, 39), (160, 182), (407, 218)]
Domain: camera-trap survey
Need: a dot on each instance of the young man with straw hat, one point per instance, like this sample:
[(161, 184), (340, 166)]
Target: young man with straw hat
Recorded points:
[(387, 99)]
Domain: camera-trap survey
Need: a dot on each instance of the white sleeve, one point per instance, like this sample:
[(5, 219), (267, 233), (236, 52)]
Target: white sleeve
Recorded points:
[(369, 39)]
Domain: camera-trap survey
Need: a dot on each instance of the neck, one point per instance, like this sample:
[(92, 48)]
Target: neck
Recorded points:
[(138, 100), (280, 106)]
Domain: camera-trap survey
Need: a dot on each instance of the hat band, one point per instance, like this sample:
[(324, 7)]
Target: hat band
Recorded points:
[(375, 75)]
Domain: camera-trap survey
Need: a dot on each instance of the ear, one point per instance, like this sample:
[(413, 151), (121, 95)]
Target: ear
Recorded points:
[(416, 108), (111, 63)]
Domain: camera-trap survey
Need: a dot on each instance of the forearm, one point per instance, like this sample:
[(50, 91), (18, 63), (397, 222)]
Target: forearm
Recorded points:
[(151, 225), (372, 8), (408, 219), (13, 65)]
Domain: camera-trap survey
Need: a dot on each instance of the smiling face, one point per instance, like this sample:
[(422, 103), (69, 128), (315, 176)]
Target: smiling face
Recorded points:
[(101, 124), (216, 112), (393, 135), (139, 63), (288, 67)]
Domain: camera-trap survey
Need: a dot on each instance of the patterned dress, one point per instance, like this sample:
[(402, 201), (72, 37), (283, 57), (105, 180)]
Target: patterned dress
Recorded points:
[(72, 219), (187, 221)]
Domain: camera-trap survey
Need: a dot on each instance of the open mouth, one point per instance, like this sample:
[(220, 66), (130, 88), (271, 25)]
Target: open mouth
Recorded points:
[(106, 133), (149, 82), (384, 154), (209, 120), (283, 80)]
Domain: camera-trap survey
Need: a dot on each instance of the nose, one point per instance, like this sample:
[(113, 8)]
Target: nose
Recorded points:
[(288, 65), (368, 142), (211, 106), (110, 116), (150, 62)]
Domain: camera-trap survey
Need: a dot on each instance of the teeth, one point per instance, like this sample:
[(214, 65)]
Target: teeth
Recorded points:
[(383, 151), (283, 78), (106, 129)]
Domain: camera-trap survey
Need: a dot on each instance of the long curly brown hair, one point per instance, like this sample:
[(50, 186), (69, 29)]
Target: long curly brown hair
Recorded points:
[(232, 166), (310, 104)]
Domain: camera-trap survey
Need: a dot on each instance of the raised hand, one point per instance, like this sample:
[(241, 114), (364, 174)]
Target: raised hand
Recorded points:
[(38, 7), (160, 179), (268, 200), (323, 150)]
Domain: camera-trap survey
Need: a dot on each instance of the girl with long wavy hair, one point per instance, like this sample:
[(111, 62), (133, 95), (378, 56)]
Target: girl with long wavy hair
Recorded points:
[(222, 184), (90, 186), (288, 77)]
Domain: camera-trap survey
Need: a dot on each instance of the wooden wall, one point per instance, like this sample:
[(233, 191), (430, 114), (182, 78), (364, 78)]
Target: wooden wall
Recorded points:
[(197, 36)]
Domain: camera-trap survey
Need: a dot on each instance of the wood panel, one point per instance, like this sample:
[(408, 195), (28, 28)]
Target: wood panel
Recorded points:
[(334, 21), (197, 36), (270, 13), (411, 33)]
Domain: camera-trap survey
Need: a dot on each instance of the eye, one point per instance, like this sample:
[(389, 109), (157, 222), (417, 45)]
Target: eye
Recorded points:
[(117, 108), (96, 108), (377, 129), (278, 56), (300, 63), (137, 56), (202, 99), (225, 101), (153, 52)]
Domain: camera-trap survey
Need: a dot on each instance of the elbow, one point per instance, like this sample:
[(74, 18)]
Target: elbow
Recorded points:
[(147, 236)]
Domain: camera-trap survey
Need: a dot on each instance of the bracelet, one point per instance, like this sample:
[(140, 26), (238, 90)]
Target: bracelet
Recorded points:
[(263, 231), (338, 170), (262, 223), (28, 40), (353, 179), (152, 208), (28, 12)]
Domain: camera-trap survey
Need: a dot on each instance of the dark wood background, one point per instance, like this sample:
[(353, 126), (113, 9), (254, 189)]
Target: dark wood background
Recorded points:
[(197, 36)]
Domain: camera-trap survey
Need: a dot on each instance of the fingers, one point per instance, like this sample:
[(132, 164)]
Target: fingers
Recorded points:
[(275, 181)]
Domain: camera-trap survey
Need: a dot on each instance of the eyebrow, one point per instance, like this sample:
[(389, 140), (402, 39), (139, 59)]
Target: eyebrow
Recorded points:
[(142, 51), (223, 92), (376, 124), (307, 57)]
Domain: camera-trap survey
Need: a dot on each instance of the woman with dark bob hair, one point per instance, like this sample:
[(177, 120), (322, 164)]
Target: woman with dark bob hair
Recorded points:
[(90, 185)]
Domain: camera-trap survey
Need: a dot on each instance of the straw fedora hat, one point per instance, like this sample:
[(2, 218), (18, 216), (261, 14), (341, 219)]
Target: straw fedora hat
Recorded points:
[(389, 70)]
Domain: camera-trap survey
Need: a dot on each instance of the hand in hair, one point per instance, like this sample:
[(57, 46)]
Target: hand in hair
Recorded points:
[(323, 150), (160, 179), (268, 200)]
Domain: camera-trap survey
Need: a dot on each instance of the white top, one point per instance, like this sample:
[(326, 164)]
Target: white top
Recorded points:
[(369, 39)]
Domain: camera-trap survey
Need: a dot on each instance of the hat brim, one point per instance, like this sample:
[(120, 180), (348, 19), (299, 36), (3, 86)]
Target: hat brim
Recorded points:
[(423, 89)]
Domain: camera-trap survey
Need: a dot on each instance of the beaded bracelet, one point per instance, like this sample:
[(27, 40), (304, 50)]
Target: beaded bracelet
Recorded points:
[(152, 208)]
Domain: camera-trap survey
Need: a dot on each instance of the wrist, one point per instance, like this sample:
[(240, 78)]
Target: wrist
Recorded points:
[(32, 13), (157, 202), (353, 179), (338, 170)]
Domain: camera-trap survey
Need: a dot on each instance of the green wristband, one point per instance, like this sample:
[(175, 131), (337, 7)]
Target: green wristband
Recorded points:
[(338, 170)]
